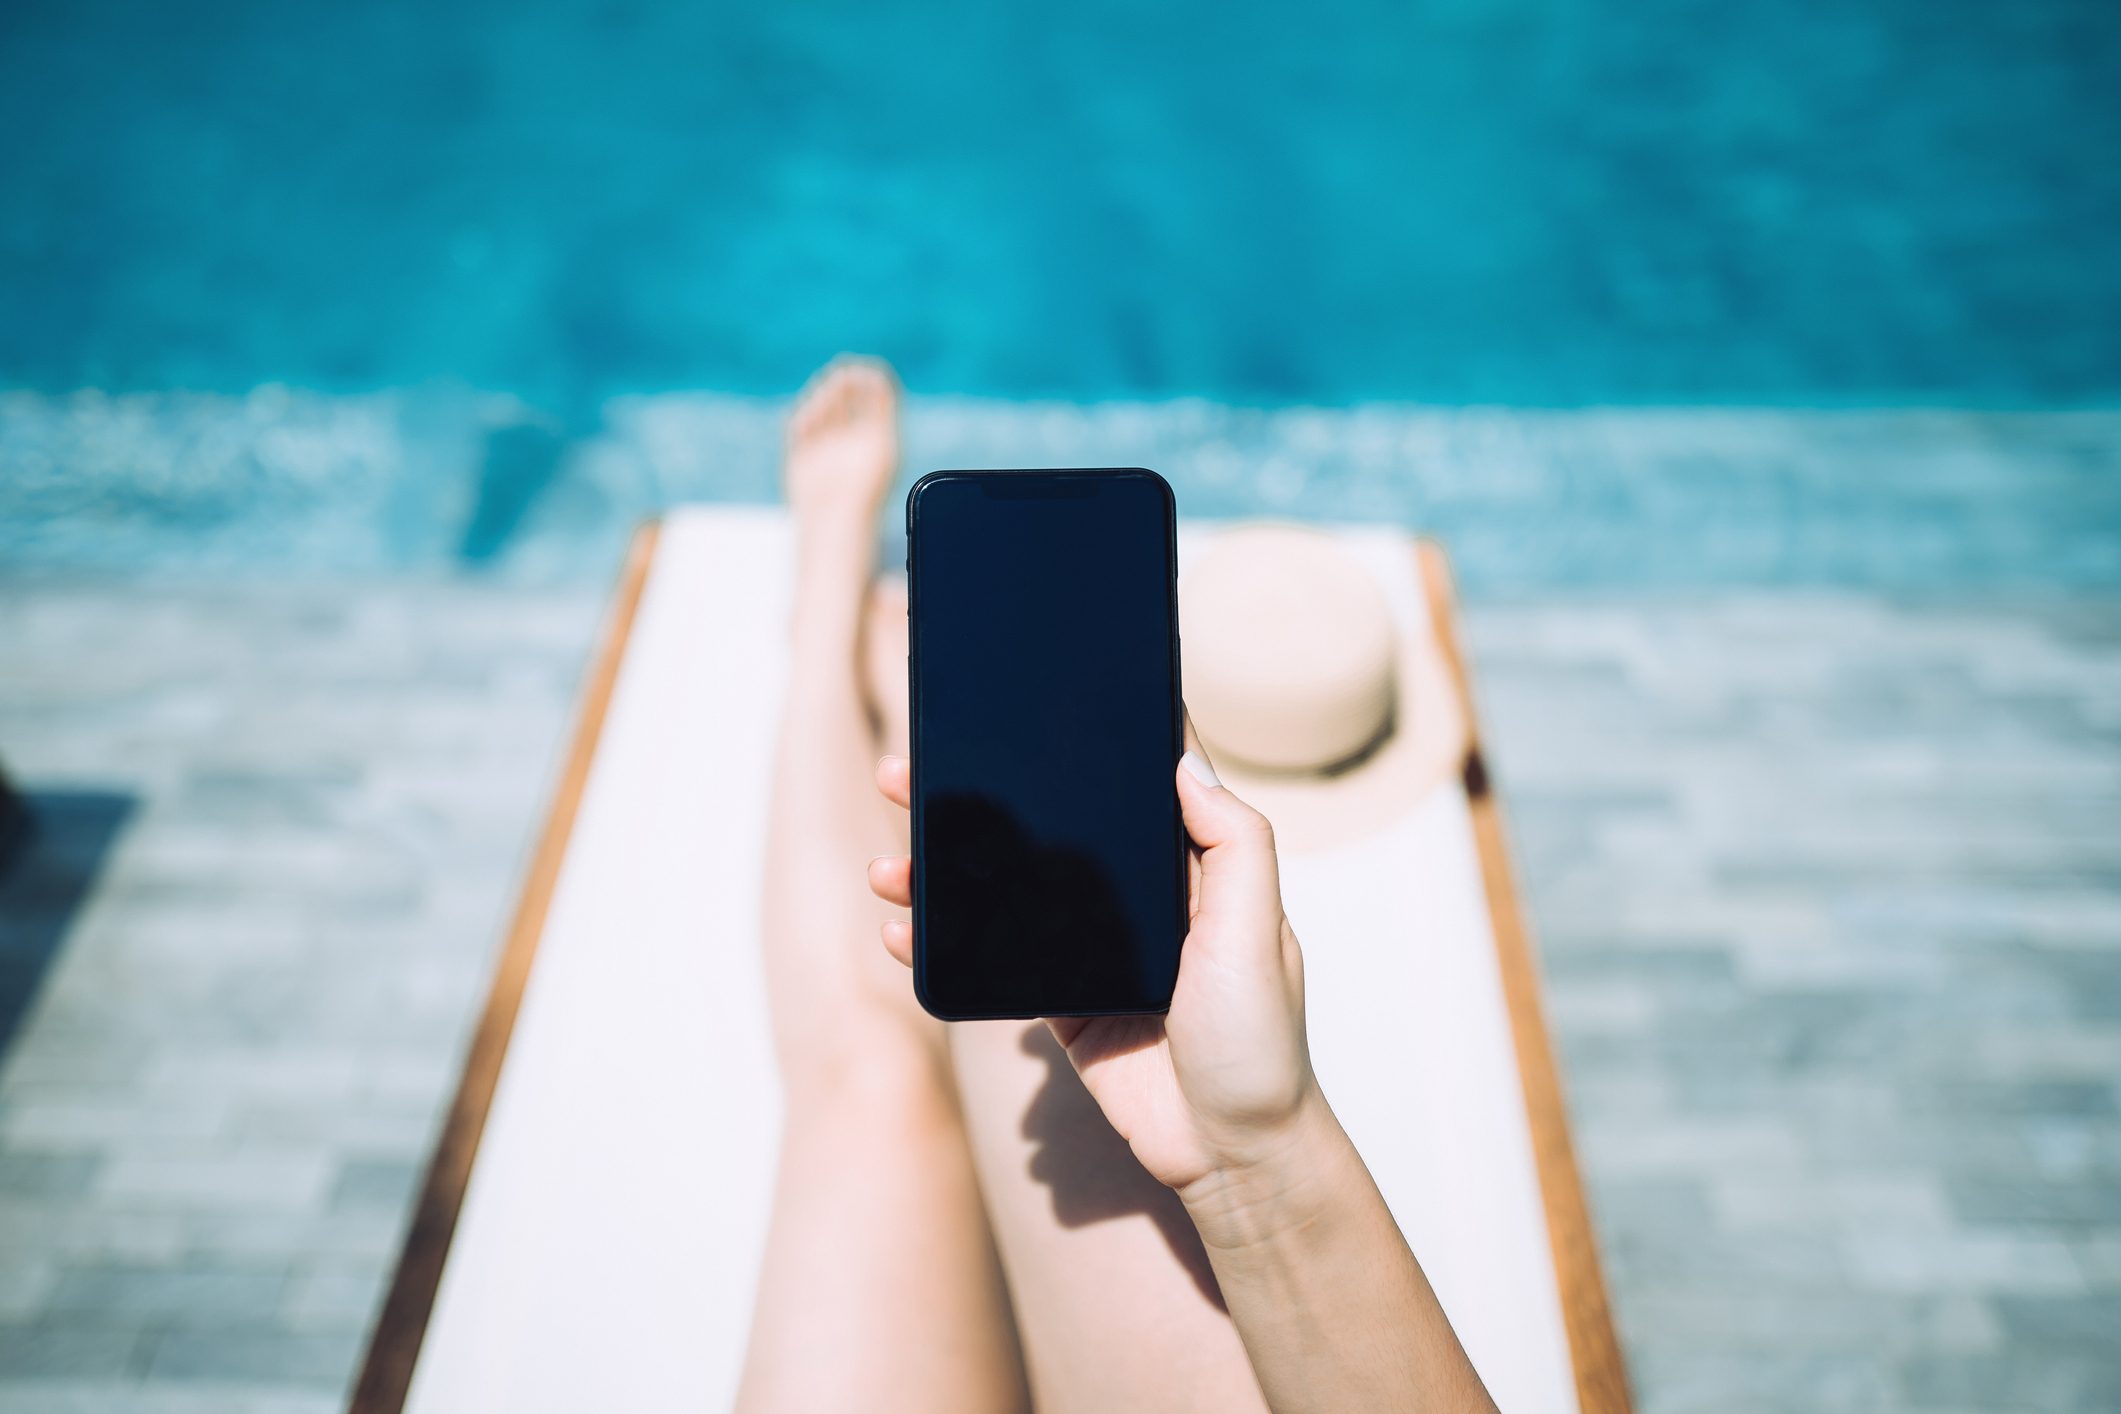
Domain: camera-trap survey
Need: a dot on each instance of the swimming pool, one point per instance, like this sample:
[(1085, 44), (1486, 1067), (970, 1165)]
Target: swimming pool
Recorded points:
[(1519, 202)]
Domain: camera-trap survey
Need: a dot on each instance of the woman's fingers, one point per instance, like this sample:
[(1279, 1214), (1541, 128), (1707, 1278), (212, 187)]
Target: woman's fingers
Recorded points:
[(891, 879), (891, 875), (1240, 884), (1193, 748), (894, 777)]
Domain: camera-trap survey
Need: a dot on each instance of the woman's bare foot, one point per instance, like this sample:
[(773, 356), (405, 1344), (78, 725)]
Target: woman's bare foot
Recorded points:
[(842, 447)]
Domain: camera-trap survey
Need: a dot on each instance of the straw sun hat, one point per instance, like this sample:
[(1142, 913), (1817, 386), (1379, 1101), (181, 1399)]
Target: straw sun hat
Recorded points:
[(1321, 698)]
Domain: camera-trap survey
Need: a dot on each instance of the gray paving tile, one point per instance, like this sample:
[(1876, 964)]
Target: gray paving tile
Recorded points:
[(1683, 1381), (25, 1284), (334, 1296), (2098, 1253), (2089, 1325), (262, 1354), (389, 1184), (2031, 1379), (32, 1173), (1834, 1201), (288, 1180), (1715, 1315), (2095, 1202), (131, 1396), (89, 1349), (197, 1290), (1995, 1260), (367, 1235)]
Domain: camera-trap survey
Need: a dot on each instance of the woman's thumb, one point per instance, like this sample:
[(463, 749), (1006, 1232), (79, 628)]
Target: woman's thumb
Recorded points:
[(1238, 871)]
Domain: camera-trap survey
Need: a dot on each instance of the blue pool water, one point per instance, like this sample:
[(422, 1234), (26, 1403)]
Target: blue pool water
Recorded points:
[(1525, 202)]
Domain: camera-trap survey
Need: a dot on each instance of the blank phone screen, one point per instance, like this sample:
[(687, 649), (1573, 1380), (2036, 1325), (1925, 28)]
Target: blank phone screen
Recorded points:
[(1049, 858)]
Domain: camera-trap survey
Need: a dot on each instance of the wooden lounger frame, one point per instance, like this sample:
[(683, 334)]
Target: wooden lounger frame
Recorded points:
[(394, 1346), (1586, 1314)]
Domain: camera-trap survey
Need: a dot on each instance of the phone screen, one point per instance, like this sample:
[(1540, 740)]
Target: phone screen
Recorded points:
[(1049, 857)]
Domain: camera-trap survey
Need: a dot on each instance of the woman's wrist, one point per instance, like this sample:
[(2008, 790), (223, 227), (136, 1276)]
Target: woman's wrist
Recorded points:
[(1286, 1181), (1334, 1310)]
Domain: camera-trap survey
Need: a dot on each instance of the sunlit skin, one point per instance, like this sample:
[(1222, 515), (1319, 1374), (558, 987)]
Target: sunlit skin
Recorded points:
[(904, 1191), (886, 1264), (1228, 1070), (1218, 1101)]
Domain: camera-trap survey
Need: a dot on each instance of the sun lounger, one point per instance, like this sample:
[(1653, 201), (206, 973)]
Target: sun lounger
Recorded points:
[(589, 1232)]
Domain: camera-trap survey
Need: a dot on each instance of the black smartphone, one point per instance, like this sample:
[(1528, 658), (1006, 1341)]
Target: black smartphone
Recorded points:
[(1049, 859)]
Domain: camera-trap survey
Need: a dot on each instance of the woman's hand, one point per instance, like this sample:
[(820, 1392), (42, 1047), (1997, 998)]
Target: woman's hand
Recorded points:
[(1218, 1101), (1222, 1083)]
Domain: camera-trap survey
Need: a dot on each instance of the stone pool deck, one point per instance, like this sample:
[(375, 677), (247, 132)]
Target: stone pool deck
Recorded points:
[(1828, 887)]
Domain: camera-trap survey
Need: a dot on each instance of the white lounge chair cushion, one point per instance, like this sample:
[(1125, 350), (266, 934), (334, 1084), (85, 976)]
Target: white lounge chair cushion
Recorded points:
[(607, 1249)]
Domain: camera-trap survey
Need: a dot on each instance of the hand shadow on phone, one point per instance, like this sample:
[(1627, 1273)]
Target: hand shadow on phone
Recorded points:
[(1090, 1172)]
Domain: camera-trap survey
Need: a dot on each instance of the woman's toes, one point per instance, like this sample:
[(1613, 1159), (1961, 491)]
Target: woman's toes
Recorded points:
[(802, 422), (834, 397), (869, 386), (827, 399), (848, 390), (856, 389), (813, 409)]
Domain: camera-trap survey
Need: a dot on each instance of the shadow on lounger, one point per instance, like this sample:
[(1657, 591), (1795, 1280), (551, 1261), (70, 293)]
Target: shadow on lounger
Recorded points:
[(1054, 898), (1091, 1173)]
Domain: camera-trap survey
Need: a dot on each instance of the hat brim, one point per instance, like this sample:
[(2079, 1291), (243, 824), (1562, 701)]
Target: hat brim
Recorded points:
[(1424, 746)]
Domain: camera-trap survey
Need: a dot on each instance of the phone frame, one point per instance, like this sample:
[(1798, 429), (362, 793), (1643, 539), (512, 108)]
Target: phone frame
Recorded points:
[(1020, 484)]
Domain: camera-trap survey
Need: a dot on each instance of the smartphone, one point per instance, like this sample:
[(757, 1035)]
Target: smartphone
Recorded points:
[(1049, 859)]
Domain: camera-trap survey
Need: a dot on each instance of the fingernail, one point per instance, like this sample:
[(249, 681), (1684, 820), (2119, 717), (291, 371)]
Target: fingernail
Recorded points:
[(1198, 765)]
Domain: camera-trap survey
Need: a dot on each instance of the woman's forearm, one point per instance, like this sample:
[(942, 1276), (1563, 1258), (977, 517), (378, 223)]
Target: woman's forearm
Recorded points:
[(1333, 1309)]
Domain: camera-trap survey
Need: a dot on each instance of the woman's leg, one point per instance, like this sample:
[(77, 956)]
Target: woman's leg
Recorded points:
[(880, 1288), (1115, 1305)]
